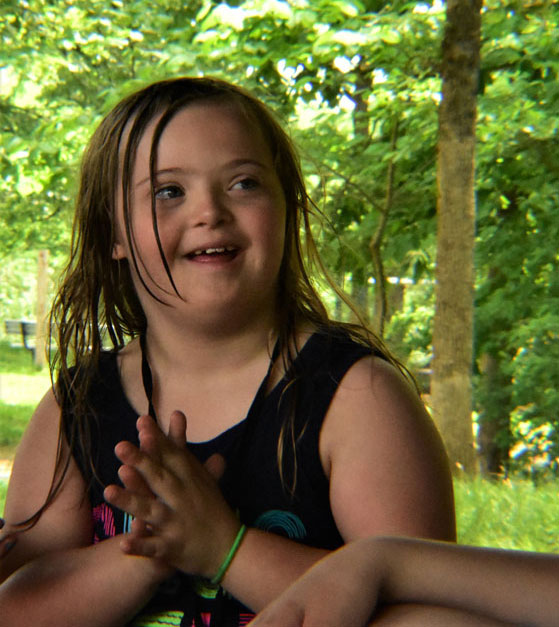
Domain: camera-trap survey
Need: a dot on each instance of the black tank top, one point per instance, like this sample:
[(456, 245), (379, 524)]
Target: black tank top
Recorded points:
[(297, 508)]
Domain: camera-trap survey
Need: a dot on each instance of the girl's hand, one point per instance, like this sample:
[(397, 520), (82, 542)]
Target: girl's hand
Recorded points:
[(341, 589), (181, 515)]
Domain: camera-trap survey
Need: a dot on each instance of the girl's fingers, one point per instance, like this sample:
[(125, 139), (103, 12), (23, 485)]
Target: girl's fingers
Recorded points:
[(148, 509), (128, 453), (133, 481), (164, 480), (177, 429), (152, 439), (215, 465), (140, 528), (139, 460), (165, 450), (157, 452), (144, 546)]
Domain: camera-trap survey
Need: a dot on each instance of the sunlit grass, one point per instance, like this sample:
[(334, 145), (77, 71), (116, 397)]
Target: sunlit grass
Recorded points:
[(23, 389), (511, 514), (19, 395), (16, 360), (13, 420)]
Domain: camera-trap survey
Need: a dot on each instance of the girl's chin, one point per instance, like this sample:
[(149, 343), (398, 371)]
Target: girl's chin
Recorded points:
[(222, 309)]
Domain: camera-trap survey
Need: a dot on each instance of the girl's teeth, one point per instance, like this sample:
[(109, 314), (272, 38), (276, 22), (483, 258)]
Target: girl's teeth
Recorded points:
[(211, 251)]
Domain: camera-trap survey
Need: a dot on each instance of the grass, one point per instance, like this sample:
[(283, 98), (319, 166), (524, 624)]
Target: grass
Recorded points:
[(510, 514), (13, 420), (15, 359), (21, 387)]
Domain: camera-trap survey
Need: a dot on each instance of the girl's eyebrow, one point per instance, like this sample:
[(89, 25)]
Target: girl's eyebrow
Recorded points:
[(159, 172), (238, 162), (234, 163)]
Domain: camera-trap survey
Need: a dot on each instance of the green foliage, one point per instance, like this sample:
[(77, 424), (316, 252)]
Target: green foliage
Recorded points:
[(512, 514), (517, 299), (18, 285), (17, 288), (409, 330), (357, 83), (535, 454)]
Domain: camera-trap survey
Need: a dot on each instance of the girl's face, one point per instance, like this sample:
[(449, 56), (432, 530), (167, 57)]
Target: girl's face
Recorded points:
[(220, 213)]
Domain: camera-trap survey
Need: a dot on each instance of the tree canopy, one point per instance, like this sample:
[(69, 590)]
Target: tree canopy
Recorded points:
[(358, 83)]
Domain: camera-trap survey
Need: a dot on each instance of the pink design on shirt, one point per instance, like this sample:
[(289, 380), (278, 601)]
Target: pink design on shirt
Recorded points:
[(103, 514)]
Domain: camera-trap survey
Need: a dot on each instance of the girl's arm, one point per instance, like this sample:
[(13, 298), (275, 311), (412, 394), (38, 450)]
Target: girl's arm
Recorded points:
[(53, 575), (470, 585), (388, 475), (388, 470)]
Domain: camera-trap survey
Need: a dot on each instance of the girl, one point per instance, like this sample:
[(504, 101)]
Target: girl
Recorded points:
[(301, 434)]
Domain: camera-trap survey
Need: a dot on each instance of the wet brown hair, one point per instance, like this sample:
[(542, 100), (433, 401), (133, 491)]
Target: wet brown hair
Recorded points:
[(97, 292)]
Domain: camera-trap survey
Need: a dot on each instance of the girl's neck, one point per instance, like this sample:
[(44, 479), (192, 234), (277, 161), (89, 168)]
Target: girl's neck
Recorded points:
[(173, 347), (212, 378)]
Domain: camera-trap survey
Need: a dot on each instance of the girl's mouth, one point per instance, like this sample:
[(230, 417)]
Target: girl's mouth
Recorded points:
[(207, 253)]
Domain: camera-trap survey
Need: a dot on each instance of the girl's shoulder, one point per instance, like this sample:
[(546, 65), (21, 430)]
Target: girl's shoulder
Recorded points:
[(65, 522), (321, 349), (93, 383), (377, 429)]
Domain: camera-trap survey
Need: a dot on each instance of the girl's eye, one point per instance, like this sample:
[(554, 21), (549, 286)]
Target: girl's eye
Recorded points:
[(246, 184), (168, 192)]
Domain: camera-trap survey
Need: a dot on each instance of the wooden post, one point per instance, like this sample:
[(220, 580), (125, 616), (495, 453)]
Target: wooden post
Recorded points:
[(41, 310)]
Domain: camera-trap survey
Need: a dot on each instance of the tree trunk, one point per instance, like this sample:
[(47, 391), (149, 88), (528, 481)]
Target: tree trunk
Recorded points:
[(451, 386), (375, 245)]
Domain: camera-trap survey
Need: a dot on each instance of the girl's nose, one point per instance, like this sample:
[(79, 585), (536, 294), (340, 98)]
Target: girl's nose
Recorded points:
[(208, 207)]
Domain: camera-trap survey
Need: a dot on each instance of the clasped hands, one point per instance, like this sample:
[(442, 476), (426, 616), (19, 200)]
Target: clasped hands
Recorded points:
[(180, 515)]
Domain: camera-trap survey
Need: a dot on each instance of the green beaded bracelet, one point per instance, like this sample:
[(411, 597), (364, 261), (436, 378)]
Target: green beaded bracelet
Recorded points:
[(229, 557)]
